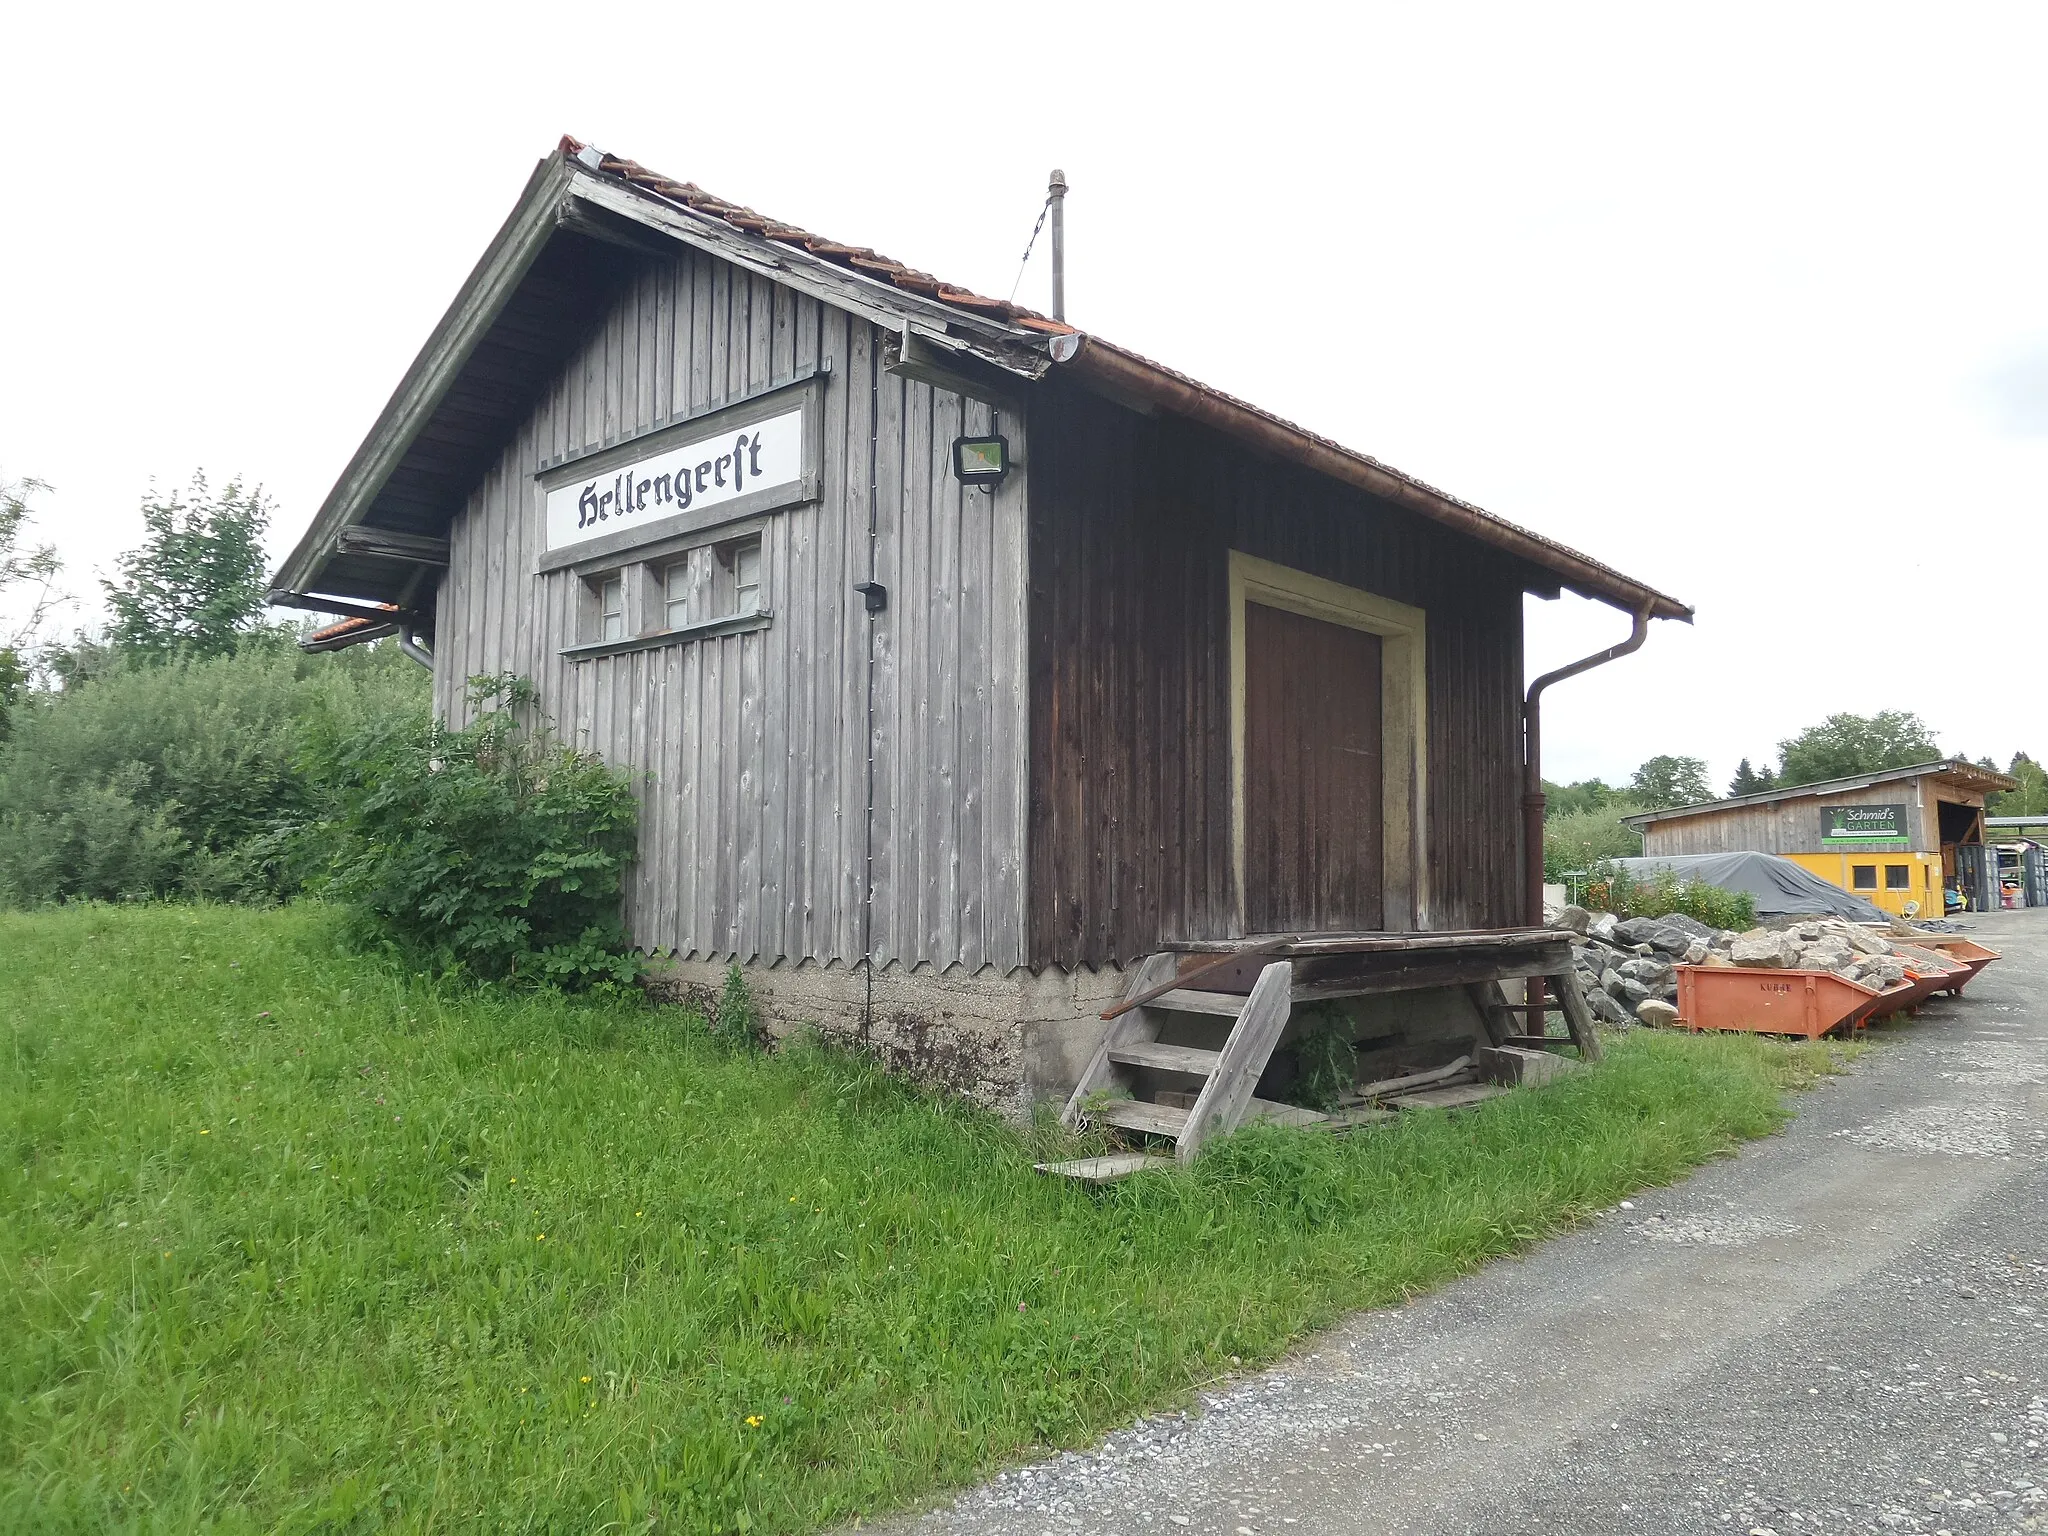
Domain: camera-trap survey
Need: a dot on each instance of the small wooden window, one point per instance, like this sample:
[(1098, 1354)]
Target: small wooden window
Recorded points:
[(675, 594), (746, 571), (717, 581), (1863, 877), (1898, 877), (611, 608)]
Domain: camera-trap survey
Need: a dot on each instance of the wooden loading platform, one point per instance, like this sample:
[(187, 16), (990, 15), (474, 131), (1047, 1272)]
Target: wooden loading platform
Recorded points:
[(1236, 997)]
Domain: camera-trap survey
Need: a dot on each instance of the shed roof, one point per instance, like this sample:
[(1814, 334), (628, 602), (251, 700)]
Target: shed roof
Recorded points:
[(1964, 775), (586, 217)]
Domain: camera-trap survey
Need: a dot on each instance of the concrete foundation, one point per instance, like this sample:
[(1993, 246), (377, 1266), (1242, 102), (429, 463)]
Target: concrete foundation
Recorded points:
[(1004, 1041), (1012, 1041)]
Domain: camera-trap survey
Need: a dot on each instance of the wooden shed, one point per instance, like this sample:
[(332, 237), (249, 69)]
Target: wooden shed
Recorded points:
[(965, 661), (1901, 838)]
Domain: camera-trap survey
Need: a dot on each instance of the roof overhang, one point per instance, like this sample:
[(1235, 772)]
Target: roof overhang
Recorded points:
[(1967, 777), (586, 221)]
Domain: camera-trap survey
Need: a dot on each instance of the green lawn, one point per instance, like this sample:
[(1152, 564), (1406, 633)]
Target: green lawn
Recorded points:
[(289, 1243)]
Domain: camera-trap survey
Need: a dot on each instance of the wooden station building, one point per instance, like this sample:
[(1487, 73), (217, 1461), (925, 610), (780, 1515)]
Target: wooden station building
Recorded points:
[(1901, 838), (965, 662)]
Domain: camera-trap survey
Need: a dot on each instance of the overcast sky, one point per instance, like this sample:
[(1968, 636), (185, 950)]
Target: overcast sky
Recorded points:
[(1747, 301)]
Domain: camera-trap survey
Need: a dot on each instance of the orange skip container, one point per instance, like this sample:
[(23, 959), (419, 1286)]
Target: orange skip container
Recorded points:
[(1964, 952), (1772, 1002)]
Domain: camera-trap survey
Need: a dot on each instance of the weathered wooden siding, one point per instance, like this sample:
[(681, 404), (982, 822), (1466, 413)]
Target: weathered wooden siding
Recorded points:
[(751, 750), (1132, 521), (1793, 826)]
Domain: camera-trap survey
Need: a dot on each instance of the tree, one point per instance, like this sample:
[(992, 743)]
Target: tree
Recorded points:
[(2030, 799), (1842, 746), (1667, 781), (31, 572), (1748, 781), (1578, 799), (195, 583)]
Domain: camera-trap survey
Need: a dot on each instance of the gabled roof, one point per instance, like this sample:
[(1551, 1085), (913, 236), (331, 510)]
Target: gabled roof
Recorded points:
[(1964, 775), (585, 223)]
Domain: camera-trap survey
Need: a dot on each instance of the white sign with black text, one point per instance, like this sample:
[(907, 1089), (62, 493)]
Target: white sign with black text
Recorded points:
[(691, 478)]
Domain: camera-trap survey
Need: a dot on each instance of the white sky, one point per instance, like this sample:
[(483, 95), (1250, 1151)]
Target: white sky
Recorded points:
[(1747, 301)]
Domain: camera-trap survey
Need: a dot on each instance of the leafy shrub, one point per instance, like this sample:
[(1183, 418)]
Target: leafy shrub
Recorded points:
[(192, 778), (1325, 1058), (1617, 891), (1578, 840), (494, 850)]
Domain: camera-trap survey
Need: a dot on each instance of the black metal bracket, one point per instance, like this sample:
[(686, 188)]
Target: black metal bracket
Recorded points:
[(876, 595)]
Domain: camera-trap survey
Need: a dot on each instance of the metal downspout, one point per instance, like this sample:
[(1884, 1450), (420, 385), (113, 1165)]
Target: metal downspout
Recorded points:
[(1532, 768), (409, 642)]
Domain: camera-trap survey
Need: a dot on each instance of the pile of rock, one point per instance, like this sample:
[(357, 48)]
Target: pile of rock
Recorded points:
[(1627, 966), (1822, 944)]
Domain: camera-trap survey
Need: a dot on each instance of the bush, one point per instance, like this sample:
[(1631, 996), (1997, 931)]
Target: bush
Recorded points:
[(197, 778), (1618, 891), (494, 851), (1578, 840)]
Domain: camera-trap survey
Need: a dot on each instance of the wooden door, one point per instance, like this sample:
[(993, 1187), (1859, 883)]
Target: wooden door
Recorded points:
[(1313, 778)]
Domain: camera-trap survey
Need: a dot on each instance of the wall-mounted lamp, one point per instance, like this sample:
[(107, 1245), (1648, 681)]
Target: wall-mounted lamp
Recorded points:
[(982, 461)]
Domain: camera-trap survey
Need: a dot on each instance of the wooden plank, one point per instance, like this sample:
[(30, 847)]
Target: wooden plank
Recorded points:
[(1186, 1000), (1463, 1096), (895, 832), (968, 855), (1244, 1058), (1132, 1027), (1297, 946), (1007, 802), (1179, 980), (1410, 1081), (1271, 1112), (1137, 1115), (1105, 1170), (1415, 977), (1565, 984), (1165, 1058)]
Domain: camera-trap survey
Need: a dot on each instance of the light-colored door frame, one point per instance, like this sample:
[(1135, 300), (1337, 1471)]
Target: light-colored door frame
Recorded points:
[(1404, 733)]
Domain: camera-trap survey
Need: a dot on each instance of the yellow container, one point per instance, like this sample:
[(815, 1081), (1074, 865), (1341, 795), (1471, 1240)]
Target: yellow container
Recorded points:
[(1890, 880)]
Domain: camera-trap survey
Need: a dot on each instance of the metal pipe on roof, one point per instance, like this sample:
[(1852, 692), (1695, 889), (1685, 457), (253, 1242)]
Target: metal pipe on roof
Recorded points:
[(1122, 373), (1056, 194)]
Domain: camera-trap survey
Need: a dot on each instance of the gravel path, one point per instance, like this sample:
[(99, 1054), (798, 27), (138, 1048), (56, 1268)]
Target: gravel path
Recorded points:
[(1844, 1329)]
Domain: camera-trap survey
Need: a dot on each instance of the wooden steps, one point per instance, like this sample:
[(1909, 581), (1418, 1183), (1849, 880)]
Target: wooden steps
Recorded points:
[(1166, 1058), (1187, 1090), (1142, 1115), (1120, 1087)]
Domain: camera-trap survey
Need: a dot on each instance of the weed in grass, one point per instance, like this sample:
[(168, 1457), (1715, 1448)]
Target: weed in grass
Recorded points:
[(736, 1021), (289, 1241)]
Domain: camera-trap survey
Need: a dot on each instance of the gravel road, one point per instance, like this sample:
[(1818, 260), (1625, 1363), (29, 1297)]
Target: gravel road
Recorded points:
[(1844, 1329)]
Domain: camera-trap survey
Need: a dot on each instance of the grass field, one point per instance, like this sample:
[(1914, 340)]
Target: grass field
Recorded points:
[(289, 1243)]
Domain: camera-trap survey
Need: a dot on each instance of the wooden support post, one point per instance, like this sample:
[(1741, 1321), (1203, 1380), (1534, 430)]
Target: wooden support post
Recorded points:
[(1576, 1013), (1493, 1009)]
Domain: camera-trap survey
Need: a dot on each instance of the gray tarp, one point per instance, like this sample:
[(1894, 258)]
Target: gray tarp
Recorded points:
[(1779, 885)]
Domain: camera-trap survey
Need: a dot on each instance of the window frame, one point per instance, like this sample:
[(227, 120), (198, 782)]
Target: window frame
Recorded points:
[(1898, 877), (1856, 877), (645, 586)]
